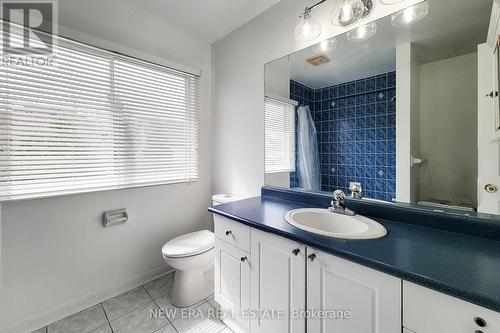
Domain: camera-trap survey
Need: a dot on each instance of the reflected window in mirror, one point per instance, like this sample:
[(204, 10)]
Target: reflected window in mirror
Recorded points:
[(279, 126)]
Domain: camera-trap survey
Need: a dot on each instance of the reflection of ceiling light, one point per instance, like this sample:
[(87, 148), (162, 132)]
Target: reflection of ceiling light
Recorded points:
[(325, 46), (410, 15), (350, 11), (307, 28), (390, 2), (362, 33)]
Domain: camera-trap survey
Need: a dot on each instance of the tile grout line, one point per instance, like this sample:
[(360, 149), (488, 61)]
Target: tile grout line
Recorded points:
[(158, 305), (129, 311), (107, 319), (217, 310)]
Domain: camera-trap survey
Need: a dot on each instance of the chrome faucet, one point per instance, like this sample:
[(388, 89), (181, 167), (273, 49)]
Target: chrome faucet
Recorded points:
[(356, 191), (338, 204)]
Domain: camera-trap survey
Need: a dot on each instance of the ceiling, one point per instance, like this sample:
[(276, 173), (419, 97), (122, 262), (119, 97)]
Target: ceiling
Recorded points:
[(206, 20), (452, 28)]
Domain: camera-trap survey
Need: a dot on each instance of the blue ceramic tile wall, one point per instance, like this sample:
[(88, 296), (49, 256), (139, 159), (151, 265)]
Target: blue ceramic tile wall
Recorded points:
[(356, 126)]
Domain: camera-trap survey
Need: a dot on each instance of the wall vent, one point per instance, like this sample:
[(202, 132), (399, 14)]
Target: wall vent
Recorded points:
[(318, 59)]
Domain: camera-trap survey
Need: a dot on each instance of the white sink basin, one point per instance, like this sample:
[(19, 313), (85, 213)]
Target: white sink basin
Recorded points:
[(323, 222)]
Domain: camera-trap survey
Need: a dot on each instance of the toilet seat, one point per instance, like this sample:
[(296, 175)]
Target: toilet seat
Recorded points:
[(189, 245)]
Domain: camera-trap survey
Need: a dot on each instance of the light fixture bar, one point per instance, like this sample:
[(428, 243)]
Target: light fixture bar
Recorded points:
[(308, 9)]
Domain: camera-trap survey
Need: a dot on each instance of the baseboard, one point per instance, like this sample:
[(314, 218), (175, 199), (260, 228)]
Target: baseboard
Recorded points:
[(83, 303)]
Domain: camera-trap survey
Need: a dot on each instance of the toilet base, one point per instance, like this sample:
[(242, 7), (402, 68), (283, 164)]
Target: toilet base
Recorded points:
[(191, 287)]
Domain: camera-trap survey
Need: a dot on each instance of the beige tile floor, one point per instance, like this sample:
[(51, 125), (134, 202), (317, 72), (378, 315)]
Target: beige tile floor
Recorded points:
[(131, 312)]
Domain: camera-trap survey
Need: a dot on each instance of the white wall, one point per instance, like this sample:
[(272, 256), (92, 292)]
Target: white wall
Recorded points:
[(56, 257), (448, 130), (238, 80), (407, 123), (488, 149), (405, 134), (415, 125), (277, 78)]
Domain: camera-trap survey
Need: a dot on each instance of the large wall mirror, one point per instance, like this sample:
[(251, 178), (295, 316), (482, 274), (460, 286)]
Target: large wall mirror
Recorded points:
[(390, 108)]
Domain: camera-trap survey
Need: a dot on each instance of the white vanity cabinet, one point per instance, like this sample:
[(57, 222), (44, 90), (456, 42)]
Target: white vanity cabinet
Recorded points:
[(278, 275), (361, 299), (428, 311), (272, 276), (232, 271)]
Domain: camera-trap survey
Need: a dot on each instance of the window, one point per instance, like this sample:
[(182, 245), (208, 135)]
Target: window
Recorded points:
[(95, 121), (280, 136)]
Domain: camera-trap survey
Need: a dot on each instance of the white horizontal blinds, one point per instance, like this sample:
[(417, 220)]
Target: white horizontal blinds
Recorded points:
[(95, 121), (279, 136), (158, 114)]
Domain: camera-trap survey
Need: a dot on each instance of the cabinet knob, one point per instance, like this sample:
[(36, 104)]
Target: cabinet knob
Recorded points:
[(492, 94), (296, 252), (490, 188), (228, 232), (243, 259), (480, 322), (311, 257)]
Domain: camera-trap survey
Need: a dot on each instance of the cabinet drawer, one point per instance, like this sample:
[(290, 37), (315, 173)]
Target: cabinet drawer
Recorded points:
[(428, 311), (232, 232)]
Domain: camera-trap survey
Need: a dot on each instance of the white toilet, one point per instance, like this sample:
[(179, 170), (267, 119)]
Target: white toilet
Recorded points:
[(192, 256)]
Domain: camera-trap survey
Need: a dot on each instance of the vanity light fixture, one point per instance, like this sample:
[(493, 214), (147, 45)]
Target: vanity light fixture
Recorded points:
[(326, 46), (362, 33), (410, 15), (308, 29), (348, 12)]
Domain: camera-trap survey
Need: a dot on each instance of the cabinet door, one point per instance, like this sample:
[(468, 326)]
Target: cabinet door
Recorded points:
[(355, 298), (232, 284), (428, 311), (278, 283)]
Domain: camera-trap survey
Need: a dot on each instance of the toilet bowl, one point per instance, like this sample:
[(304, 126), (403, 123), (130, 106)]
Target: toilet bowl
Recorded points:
[(192, 257)]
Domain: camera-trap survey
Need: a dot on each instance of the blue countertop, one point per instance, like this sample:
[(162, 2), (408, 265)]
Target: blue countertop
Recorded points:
[(459, 265)]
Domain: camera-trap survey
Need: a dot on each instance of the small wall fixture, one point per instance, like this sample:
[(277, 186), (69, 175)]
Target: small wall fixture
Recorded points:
[(410, 15), (114, 217), (362, 33)]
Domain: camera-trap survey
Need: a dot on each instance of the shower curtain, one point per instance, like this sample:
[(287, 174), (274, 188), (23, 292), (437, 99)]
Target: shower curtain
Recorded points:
[(308, 171)]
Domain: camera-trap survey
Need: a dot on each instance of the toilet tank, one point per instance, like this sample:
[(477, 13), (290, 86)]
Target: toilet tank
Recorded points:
[(218, 199)]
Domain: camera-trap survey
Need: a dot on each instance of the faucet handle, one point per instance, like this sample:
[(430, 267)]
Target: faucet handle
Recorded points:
[(339, 195), (356, 188)]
